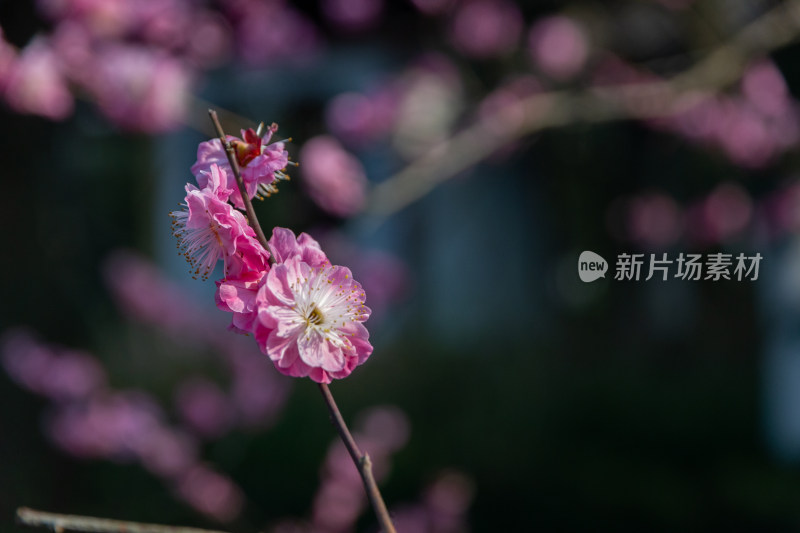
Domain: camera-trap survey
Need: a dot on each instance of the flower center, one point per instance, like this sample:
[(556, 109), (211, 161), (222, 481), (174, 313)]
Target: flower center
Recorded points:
[(248, 149), (315, 317)]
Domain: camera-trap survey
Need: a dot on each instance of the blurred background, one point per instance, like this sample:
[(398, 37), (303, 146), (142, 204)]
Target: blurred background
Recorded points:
[(458, 156)]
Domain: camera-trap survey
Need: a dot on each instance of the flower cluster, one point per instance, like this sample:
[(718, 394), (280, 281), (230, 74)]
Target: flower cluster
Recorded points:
[(305, 313)]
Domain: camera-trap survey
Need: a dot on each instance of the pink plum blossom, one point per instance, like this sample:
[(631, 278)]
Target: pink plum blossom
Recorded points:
[(310, 320), (209, 229), (260, 163), (334, 178), (284, 245), (237, 294)]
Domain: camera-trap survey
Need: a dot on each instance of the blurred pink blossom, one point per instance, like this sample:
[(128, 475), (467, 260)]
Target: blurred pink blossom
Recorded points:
[(358, 118), (74, 46), (558, 46), (211, 493), (209, 42), (744, 136), (106, 19), (167, 452), (270, 30), (411, 518), (727, 211), (486, 28), (144, 294), (751, 128), (111, 426), (90, 420), (434, 7), (258, 392), (334, 178), (654, 219), (781, 209), (8, 56), (56, 373), (448, 499), (337, 505), (140, 88), (764, 87), (204, 407), (388, 426), (35, 82), (442, 509), (353, 15), (166, 24), (340, 500)]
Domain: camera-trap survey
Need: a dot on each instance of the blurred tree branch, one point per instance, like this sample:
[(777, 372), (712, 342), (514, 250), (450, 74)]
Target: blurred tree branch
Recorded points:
[(62, 522), (722, 66)]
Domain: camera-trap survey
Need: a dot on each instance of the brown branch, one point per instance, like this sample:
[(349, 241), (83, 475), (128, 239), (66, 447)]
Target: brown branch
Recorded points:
[(248, 205), (64, 522), (361, 460), (722, 66)]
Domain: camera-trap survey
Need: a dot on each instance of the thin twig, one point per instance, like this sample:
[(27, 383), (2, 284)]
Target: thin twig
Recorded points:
[(722, 66), (64, 522), (361, 460), (248, 205)]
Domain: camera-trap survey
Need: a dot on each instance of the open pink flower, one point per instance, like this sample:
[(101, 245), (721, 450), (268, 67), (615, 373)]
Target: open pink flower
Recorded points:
[(260, 163), (210, 229), (236, 294), (310, 320)]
